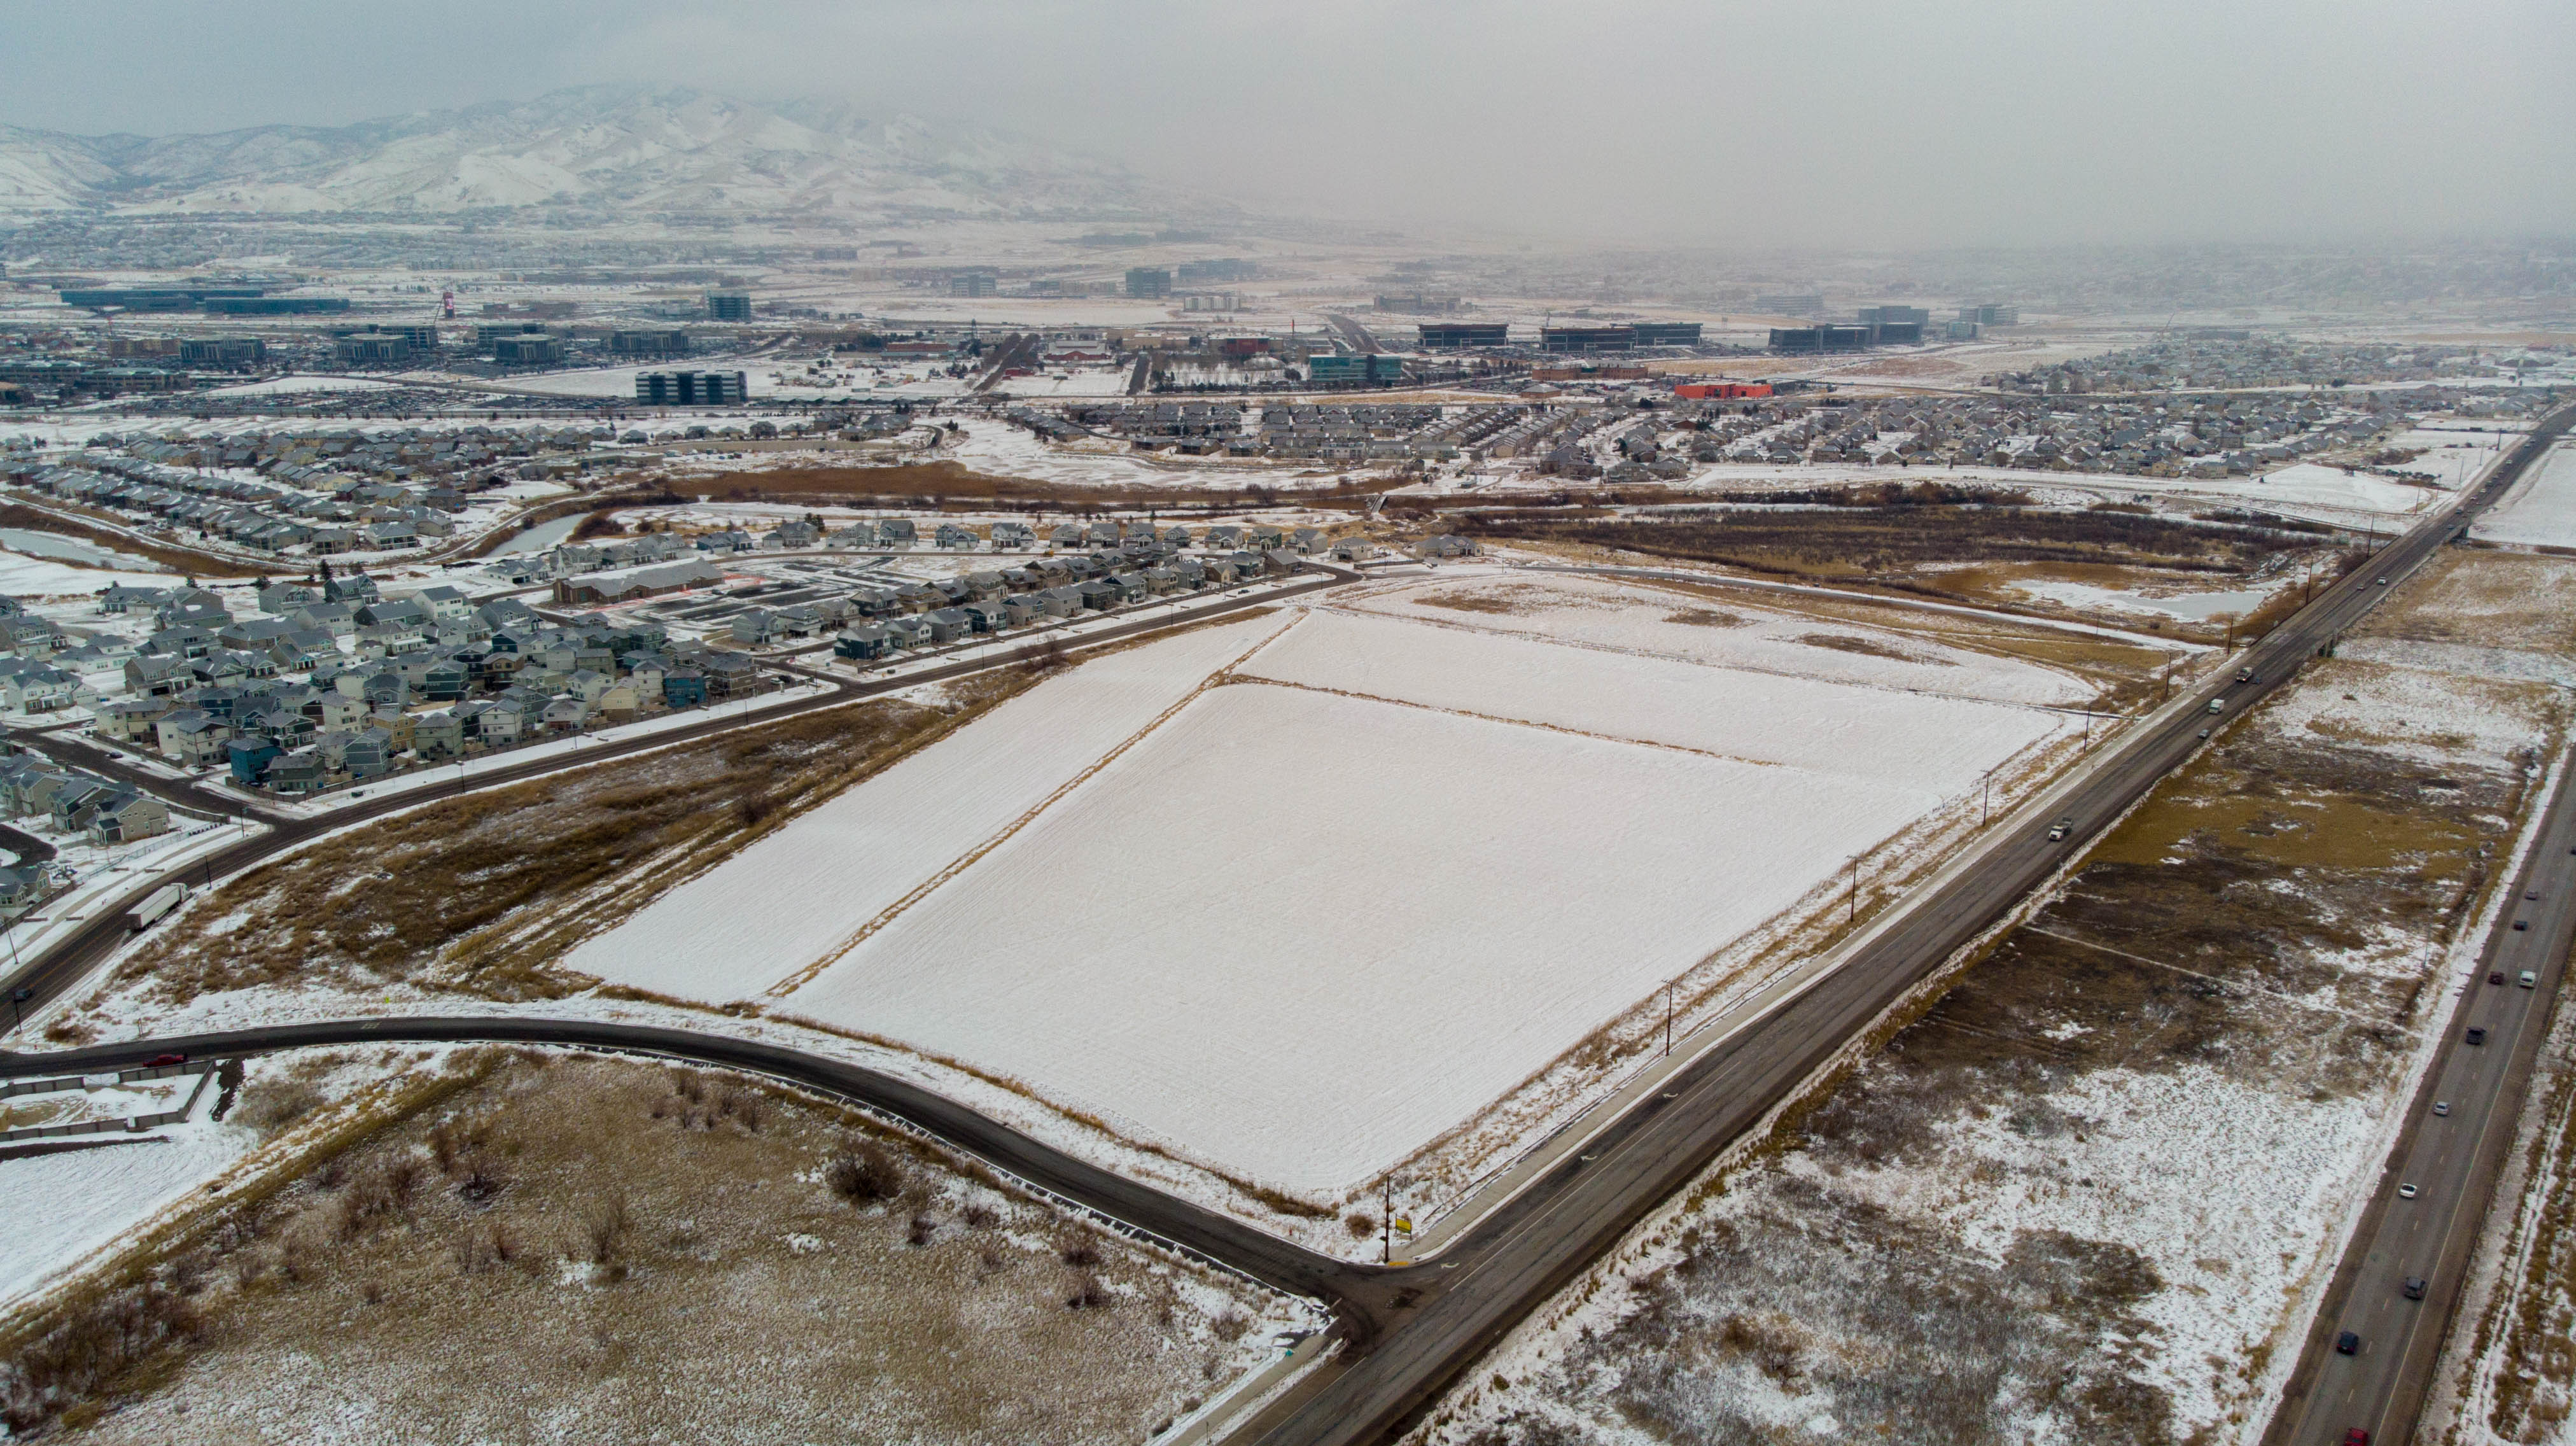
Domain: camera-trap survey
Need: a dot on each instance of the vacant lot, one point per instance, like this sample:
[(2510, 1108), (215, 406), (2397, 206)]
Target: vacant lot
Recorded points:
[(577, 1249), (1909, 545), (481, 894), (2089, 1193), (951, 486), (64, 524)]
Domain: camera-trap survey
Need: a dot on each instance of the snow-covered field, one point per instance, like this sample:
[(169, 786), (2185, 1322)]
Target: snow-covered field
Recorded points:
[(70, 1204), (814, 884), (1634, 618), (1297, 929), (25, 576), (1923, 744), (2541, 510), (278, 386), (1301, 935)]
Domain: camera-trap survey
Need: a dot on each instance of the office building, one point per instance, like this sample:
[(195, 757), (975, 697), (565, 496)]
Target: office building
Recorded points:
[(686, 389), (1442, 335), (1990, 314), (1364, 370), (974, 283), (728, 306), (1584, 339), (274, 305), (528, 350), (648, 343), (1667, 333), (1826, 336), (222, 351), (1148, 283)]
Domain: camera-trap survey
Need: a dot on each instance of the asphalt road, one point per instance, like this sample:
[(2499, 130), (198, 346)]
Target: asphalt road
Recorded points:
[(1229, 1242), (1360, 338), (1412, 1329), (1017, 350), (1513, 1262), (2451, 1160), (63, 964)]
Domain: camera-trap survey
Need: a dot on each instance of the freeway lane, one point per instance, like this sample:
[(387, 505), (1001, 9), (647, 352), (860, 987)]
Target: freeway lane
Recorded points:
[(1412, 1329), (1511, 1264), (2452, 1161), (66, 962)]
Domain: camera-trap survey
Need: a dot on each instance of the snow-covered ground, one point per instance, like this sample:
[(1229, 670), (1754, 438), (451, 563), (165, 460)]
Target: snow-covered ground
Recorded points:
[(1301, 935), (68, 1204), (1913, 741), (1295, 929), (23, 575), (817, 882), (288, 385), (2197, 606), (1635, 618), (2540, 511)]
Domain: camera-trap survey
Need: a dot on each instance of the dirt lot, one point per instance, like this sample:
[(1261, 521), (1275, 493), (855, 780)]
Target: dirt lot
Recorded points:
[(2088, 1193), (575, 1249), (480, 894), (953, 487), (1903, 542)]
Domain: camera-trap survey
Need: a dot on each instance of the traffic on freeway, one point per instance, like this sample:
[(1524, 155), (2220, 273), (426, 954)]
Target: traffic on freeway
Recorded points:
[(2392, 1301)]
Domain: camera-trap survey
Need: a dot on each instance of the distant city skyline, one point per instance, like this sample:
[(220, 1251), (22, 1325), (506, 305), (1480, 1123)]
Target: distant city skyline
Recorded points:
[(1870, 125)]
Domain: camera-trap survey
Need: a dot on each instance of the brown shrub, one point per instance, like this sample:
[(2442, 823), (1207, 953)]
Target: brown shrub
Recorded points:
[(864, 1173)]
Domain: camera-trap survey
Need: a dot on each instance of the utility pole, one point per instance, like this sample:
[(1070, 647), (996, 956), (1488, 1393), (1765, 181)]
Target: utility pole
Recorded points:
[(1852, 913), (1386, 1223), (1668, 1020)]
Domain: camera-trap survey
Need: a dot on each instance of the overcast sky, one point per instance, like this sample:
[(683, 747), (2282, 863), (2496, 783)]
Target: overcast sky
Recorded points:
[(1876, 124)]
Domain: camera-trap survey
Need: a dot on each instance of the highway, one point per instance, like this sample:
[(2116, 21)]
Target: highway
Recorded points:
[(1359, 338), (1411, 1330), (1020, 349), (2451, 1160), (1511, 1263)]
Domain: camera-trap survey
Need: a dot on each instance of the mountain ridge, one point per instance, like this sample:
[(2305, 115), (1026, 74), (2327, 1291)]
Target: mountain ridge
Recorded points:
[(633, 148)]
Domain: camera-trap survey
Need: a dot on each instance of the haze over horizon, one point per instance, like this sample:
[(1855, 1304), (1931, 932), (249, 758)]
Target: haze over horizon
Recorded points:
[(1725, 125)]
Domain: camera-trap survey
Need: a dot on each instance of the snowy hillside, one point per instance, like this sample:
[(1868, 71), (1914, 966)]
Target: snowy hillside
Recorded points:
[(620, 147)]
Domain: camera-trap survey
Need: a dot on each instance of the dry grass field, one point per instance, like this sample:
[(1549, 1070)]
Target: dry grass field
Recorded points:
[(570, 1248), (2082, 1194), (480, 894)]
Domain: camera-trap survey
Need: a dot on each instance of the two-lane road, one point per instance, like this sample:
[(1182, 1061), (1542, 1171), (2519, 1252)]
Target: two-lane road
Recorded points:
[(64, 963)]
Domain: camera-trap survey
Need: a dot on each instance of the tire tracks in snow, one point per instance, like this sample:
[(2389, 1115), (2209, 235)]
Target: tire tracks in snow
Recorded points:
[(967, 860)]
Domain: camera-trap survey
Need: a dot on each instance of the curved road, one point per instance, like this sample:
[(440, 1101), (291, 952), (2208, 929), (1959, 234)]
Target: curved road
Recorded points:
[(61, 965), (1412, 1329)]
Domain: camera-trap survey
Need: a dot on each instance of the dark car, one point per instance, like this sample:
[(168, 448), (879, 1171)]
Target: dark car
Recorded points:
[(159, 1060), (2356, 1437), (2477, 1036), (2495, 976), (2521, 924), (2347, 1344), (2413, 1289)]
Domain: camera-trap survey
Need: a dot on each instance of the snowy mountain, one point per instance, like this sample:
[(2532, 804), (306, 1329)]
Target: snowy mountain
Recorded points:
[(616, 147)]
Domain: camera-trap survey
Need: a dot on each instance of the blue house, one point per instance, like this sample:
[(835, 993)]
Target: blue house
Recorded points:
[(250, 757)]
